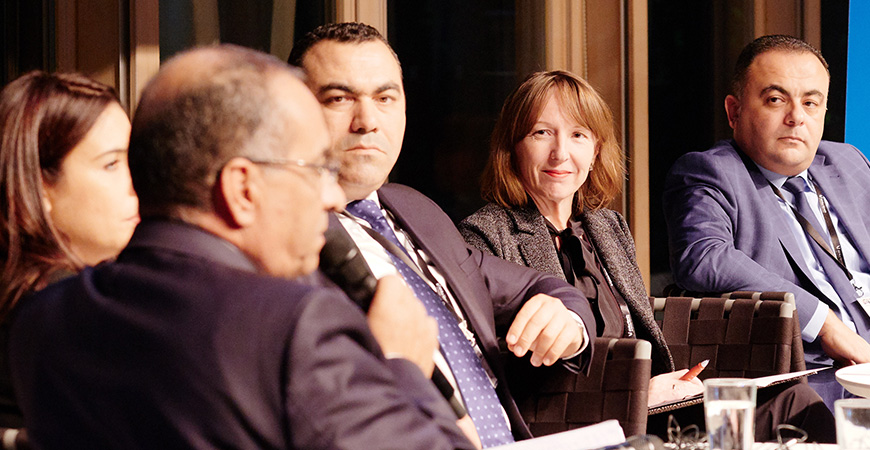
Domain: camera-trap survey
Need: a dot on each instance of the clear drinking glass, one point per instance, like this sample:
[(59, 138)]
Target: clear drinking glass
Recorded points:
[(853, 423), (729, 405)]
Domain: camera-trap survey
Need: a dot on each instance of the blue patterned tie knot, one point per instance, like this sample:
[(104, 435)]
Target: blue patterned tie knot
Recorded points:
[(798, 187), (480, 397)]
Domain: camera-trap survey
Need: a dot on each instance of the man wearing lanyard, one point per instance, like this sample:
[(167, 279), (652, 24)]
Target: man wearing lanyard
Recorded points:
[(778, 209), (475, 298)]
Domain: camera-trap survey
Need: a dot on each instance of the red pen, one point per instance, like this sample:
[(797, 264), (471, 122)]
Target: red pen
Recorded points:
[(694, 371)]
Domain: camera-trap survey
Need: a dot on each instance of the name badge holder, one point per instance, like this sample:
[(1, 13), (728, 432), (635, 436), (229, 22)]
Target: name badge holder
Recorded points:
[(837, 253)]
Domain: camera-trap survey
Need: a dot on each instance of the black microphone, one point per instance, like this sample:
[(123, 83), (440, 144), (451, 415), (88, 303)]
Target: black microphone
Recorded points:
[(342, 262)]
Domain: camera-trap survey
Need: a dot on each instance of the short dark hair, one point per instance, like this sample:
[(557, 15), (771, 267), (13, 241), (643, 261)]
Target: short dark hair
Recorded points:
[(42, 118), (180, 141), (347, 32), (764, 44)]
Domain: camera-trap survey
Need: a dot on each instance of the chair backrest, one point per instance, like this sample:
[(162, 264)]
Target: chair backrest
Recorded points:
[(741, 337), (797, 348), (554, 399)]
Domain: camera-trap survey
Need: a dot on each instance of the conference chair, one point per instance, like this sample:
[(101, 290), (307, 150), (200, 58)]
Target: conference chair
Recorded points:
[(742, 337), (554, 399)]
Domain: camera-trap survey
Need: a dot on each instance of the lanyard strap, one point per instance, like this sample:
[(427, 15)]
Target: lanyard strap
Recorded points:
[(835, 240), (402, 255), (563, 238), (837, 253), (623, 306)]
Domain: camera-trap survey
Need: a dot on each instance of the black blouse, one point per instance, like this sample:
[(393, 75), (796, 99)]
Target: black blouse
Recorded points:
[(583, 269)]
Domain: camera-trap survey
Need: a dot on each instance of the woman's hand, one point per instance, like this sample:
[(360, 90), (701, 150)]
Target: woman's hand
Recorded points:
[(668, 387)]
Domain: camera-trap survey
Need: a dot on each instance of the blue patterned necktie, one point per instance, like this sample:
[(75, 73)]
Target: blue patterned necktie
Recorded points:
[(797, 187), (480, 397)]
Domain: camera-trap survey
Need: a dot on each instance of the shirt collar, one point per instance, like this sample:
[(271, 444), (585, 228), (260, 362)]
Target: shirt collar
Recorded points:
[(373, 197), (777, 179), (181, 237)]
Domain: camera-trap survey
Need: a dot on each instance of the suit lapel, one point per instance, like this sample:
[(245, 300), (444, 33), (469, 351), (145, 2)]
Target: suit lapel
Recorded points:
[(829, 179), (777, 219), (624, 272), (534, 240), (844, 205), (415, 221)]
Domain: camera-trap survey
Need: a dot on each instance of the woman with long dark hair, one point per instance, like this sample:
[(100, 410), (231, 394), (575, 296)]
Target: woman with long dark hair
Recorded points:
[(66, 199)]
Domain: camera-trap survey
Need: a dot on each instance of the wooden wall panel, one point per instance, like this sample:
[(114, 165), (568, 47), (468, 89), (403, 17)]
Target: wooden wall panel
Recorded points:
[(531, 32), (65, 26), (564, 36), (799, 18), (604, 41), (370, 12), (144, 48), (114, 42), (97, 40), (637, 133)]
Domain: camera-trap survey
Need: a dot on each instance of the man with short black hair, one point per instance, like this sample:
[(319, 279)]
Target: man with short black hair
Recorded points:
[(779, 209), (477, 298)]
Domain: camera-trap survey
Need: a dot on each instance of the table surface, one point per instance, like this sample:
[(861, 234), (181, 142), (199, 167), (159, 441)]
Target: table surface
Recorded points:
[(774, 446)]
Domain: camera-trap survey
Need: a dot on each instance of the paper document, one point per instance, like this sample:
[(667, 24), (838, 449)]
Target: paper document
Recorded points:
[(761, 382), (587, 438)]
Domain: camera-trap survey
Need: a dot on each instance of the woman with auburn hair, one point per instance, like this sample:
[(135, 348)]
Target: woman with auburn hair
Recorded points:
[(554, 165), (67, 200)]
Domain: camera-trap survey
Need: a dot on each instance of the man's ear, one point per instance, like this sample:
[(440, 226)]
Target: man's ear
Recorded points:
[(732, 109), (239, 192)]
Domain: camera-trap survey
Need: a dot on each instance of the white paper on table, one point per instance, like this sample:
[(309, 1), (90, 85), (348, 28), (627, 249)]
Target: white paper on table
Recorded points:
[(587, 438), (761, 382), (781, 378)]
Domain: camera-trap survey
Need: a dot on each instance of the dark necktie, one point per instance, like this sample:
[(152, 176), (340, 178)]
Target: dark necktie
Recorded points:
[(797, 187), (480, 397)]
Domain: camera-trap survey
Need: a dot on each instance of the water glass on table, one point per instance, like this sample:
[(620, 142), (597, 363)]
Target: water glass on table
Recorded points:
[(853, 423), (729, 406)]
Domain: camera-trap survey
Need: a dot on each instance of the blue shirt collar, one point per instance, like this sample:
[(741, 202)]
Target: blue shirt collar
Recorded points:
[(777, 179)]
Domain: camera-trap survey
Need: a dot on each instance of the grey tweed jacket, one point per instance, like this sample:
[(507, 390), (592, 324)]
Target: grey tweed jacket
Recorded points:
[(521, 236)]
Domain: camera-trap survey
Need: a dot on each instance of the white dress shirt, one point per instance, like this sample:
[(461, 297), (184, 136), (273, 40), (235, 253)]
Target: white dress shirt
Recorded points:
[(381, 264), (856, 264)]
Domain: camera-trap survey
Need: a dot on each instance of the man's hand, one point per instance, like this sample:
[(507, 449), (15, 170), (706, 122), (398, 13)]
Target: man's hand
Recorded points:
[(668, 387), (467, 427), (841, 343), (544, 326), (401, 326)]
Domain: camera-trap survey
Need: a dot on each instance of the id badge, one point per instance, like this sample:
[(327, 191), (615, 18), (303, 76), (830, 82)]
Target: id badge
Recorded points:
[(865, 303)]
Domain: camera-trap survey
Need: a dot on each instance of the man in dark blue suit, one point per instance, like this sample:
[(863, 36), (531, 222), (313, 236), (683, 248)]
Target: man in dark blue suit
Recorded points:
[(198, 336), (778, 209), (357, 78)]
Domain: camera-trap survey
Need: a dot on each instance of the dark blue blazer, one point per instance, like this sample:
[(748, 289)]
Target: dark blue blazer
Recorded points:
[(727, 231), (180, 344), (489, 290)]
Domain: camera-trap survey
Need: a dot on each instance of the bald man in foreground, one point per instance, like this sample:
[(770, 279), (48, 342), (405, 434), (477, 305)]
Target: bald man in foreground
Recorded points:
[(202, 334)]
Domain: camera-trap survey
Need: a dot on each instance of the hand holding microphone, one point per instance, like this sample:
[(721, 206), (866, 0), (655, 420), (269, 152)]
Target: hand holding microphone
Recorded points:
[(400, 324), (341, 261)]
